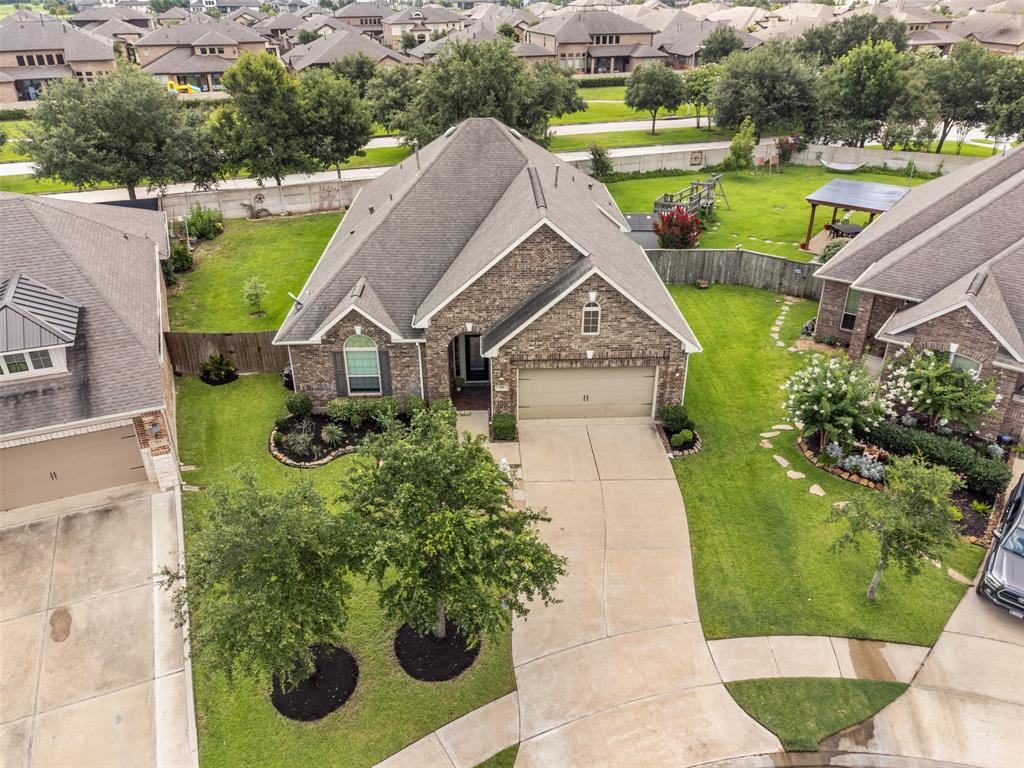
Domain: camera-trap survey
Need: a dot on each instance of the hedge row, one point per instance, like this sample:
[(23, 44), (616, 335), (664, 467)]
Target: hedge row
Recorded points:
[(983, 476), (600, 82), (15, 114)]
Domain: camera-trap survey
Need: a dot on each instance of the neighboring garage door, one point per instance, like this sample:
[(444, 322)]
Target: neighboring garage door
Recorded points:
[(68, 466), (572, 393)]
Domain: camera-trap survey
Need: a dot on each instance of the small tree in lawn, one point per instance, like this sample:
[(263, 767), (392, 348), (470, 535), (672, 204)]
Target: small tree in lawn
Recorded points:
[(652, 88), (699, 87), (600, 163), (719, 44), (266, 579), (678, 229), (255, 291), (911, 520), (834, 397), (336, 121), (741, 151), (435, 528)]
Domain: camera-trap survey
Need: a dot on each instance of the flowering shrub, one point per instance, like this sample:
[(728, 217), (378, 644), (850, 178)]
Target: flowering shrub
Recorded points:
[(866, 466), (789, 146), (925, 383), (677, 229), (833, 396)]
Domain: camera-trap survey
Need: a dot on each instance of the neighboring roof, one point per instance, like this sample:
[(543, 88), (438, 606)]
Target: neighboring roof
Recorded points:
[(39, 32), (427, 14), (251, 13), (531, 51), (184, 61), (578, 27), (364, 11), (105, 12), (34, 316), (858, 195), (285, 21), (103, 260), (317, 22), (54, 72), (933, 36), (900, 12), (197, 26), (422, 231), (114, 27), (687, 35), (173, 13), (337, 45), (991, 28)]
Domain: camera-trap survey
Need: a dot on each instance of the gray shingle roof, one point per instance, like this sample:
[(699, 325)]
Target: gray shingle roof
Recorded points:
[(187, 32), (364, 10), (102, 259), (32, 315), (685, 36), (336, 46), (578, 27), (45, 33), (991, 27), (425, 15), (183, 61), (419, 235), (104, 13)]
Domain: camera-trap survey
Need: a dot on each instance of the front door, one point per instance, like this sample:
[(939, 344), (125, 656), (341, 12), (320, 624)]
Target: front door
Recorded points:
[(477, 366)]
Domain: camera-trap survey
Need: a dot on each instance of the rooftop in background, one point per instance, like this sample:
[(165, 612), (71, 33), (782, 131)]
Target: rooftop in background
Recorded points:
[(858, 195)]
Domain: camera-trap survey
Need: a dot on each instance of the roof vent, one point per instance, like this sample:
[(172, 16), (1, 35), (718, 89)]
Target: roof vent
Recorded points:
[(538, 190), (371, 210), (515, 133), (357, 289), (450, 131), (979, 280)]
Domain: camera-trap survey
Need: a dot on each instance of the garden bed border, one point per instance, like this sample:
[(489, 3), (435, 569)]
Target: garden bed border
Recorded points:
[(698, 444), (850, 477), (346, 449)]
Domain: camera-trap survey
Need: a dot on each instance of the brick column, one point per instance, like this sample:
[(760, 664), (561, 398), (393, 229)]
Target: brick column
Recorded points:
[(861, 327)]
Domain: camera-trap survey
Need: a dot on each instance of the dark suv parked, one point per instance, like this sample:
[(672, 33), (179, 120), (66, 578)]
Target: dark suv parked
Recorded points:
[(1002, 577)]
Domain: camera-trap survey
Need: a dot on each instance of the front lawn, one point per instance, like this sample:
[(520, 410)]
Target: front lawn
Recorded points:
[(948, 148), (762, 555), (666, 135), (281, 251), (803, 711), (613, 112), (15, 130), (768, 213), (219, 428)]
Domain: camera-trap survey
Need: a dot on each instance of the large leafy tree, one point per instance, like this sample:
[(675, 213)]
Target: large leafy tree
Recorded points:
[(910, 521), (266, 579), (699, 86), (358, 68), (434, 526), (260, 128), (963, 84), (122, 128), (771, 84), (830, 42), (335, 119), (652, 88), (486, 79), (390, 92), (719, 44), (1006, 107)]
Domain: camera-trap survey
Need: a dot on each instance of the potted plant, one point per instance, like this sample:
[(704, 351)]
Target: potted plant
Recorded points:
[(460, 382)]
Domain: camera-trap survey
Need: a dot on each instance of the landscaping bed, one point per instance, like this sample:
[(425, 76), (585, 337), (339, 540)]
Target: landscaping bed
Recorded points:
[(320, 452), (428, 658), (332, 683)]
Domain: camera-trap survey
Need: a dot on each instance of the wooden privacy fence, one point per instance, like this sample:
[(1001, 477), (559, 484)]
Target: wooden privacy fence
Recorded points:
[(738, 267), (250, 352)]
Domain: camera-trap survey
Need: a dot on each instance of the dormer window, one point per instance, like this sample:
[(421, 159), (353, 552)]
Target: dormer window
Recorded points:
[(37, 324), (33, 362)]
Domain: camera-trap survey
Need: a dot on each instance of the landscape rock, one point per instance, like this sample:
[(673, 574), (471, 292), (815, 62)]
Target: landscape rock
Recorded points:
[(784, 427), (766, 444), (769, 434), (782, 461), (817, 490), (794, 475)]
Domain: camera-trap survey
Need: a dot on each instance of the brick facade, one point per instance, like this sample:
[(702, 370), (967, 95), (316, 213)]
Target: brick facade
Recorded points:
[(830, 311), (872, 313)]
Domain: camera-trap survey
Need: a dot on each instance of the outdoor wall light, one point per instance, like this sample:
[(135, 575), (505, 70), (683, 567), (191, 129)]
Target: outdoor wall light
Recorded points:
[(154, 429), (590, 354), (469, 327)]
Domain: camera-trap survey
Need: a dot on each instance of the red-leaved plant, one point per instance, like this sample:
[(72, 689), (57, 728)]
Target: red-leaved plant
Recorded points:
[(678, 229)]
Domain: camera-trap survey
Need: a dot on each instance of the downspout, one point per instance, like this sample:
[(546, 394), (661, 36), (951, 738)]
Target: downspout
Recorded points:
[(686, 373), (419, 359)]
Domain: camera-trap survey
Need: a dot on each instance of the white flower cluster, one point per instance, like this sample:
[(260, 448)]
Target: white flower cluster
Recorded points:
[(834, 395)]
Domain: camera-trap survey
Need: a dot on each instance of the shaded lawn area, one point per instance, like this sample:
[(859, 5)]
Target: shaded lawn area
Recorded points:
[(15, 130), (665, 135), (603, 93), (762, 555), (281, 251), (803, 711), (611, 112), (763, 207), (948, 148), (219, 428)]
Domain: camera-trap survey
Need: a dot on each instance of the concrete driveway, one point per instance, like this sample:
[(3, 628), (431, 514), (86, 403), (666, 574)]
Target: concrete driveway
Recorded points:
[(92, 671), (618, 673)]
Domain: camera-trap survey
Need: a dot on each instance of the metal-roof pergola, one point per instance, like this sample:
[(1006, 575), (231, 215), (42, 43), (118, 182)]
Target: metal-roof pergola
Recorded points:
[(867, 196)]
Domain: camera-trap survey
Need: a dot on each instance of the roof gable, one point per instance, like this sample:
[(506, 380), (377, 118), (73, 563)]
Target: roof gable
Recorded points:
[(33, 316)]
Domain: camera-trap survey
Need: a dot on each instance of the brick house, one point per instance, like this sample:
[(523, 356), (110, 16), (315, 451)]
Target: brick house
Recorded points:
[(488, 264), (943, 269), (596, 42), (86, 388), (422, 22)]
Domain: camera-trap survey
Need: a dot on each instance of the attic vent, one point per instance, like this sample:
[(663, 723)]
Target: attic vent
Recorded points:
[(450, 131), (538, 190), (371, 209), (979, 280), (515, 133), (357, 289)]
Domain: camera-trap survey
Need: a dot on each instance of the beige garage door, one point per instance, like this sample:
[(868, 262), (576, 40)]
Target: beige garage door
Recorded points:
[(573, 393), (71, 465)]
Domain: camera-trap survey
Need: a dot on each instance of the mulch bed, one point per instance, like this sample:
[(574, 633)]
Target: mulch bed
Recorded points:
[(424, 657), (972, 524), (326, 690), (226, 380), (353, 437)]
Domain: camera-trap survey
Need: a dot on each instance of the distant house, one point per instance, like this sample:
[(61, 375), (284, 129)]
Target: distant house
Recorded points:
[(924, 27), (224, 7), (596, 41), (479, 32), (276, 29), (943, 269), (173, 15), (247, 16), (684, 41), (196, 52), (94, 17), (1001, 33), (36, 48), (366, 18), (337, 45), (86, 389), (421, 23)]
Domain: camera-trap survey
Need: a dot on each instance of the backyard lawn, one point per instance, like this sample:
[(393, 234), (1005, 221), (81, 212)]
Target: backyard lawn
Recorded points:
[(761, 543), (281, 251), (612, 112), (219, 428), (949, 148), (14, 130), (667, 134), (766, 213)]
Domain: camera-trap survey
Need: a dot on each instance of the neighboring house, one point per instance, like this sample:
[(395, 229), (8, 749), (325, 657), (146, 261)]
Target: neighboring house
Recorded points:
[(593, 5), (421, 23), (943, 269), (247, 16), (684, 41), (486, 261), (36, 48), (318, 24), (196, 52), (479, 32), (224, 7), (495, 15), (924, 27), (171, 16), (86, 389), (121, 34), (366, 18), (338, 45), (596, 41), (276, 29), (1001, 33), (94, 17)]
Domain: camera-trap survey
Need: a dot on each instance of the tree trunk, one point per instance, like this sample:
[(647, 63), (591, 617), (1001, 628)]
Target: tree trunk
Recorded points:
[(441, 630), (338, 169), (698, 114), (131, 191), (873, 586), (654, 116), (943, 135), (278, 180)]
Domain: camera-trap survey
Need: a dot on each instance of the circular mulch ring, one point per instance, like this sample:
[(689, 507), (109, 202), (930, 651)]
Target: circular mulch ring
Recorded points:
[(324, 691), (424, 657), (226, 380)]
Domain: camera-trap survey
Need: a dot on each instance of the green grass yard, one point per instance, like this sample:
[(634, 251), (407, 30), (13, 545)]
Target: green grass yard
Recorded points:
[(219, 428), (612, 112), (666, 135), (762, 555), (762, 207), (803, 711), (281, 251), (603, 93), (14, 130), (504, 759), (949, 148)]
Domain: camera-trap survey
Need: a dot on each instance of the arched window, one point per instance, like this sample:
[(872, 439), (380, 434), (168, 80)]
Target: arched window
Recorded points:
[(362, 366), (591, 318)]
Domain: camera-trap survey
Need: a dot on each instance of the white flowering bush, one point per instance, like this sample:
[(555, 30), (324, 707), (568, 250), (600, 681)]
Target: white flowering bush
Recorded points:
[(833, 397), (925, 383)]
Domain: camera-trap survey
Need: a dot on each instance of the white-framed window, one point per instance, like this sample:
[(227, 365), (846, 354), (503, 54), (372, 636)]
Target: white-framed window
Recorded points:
[(591, 318), (35, 362), (961, 363), (850, 310), (362, 366)]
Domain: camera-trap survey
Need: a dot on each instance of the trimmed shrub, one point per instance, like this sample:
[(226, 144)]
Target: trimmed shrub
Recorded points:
[(337, 409), (282, 422), (503, 427), (414, 405), (15, 114), (383, 410), (332, 435), (599, 82), (180, 258), (832, 247), (278, 439), (204, 223), (217, 369), (299, 443), (681, 439), (299, 404), (675, 418)]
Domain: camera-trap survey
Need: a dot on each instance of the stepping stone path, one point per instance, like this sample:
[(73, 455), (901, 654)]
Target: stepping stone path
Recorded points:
[(783, 427), (794, 475), (769, 434), (776, 328), (774, 335), (817, 490), (781, 461), (780, 343), (766, 444)]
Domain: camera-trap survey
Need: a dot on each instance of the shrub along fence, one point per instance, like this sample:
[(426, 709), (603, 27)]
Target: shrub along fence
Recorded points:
[(250, 352), (738, 267)]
